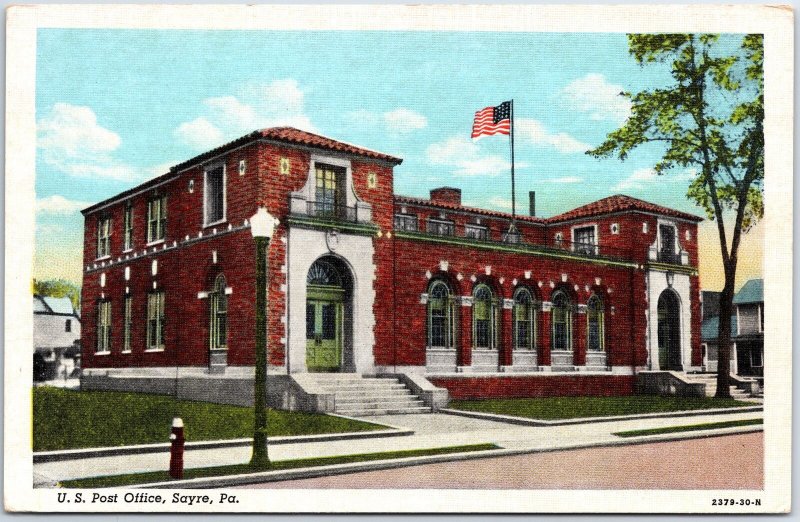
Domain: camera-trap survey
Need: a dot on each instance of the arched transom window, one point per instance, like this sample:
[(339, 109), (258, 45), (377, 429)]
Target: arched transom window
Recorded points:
[(562, 322), (484, 318), (440, 316), (595, 317), (323, 273), (524, 320), (219, 315)]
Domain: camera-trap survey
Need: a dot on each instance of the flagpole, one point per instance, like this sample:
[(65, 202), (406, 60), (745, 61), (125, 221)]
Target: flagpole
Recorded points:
[(513, 191)]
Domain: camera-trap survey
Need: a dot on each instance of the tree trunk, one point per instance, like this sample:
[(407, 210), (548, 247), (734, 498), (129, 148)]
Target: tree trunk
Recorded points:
[(724, 336)]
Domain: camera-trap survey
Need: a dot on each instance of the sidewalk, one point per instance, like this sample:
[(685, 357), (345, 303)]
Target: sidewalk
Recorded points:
[(430, 431)]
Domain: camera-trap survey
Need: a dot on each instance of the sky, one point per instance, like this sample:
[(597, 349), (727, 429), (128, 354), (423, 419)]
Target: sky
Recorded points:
[(117, 107)]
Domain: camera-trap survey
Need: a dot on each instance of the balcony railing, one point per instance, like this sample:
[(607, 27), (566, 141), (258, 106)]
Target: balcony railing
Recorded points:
[(502, 235), (329, 211)]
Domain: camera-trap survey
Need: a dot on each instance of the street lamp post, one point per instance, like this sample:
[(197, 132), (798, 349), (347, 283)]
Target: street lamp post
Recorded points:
[(262, 226)]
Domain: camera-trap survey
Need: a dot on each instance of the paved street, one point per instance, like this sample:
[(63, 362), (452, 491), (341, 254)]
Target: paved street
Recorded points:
[(729, 462), (431, 431)]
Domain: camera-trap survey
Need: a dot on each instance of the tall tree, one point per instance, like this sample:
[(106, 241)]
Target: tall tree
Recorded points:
[(58, 288), (709, 119)]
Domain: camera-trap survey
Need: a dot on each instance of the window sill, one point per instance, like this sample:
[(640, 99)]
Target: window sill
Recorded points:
[(126, 352), (103, 258), (476, 349), (128, 251), (154, 350), (103, 353), (156, 242), (215, 223), (440, 349)]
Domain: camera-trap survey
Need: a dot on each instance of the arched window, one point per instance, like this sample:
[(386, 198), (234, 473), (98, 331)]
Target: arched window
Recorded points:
[(524, 320), (596, 318), (322, 273), (219, 315), (562, 322), (440, 316), (484, 311)]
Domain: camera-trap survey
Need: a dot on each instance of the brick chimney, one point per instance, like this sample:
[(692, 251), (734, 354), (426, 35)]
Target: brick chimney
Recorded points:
[(532, 202), (446, 195)]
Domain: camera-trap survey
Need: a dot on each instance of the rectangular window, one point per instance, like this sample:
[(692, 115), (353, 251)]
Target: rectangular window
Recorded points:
[(104, 237), (756, 359), (476, 232), (441, 228), (128, 226), (68, 325), (127, 325), (155, 321), (666, 252), (215, 195), (156, 219), (585, 240), (405, 222), (330, 190), (104, 327)]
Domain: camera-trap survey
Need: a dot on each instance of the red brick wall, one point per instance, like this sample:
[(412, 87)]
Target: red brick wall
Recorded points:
[(514, 386), (446, 195), (414, 258)]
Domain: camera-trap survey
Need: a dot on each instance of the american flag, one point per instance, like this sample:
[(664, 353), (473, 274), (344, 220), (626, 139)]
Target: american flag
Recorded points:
[(492, 120)]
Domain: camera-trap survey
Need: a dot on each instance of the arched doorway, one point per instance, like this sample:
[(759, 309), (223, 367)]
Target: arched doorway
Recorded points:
[(669, 331), (328, 316)]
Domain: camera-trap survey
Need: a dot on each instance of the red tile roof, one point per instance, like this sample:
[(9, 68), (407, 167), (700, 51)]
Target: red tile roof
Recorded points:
[(620, 203), (299, 137), (451, 206), (607, 205)]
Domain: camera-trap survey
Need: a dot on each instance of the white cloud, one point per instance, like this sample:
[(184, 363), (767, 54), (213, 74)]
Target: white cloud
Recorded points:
[(397, 121), (59, 205), (231, 111), (594, 95), (641, 178), (500, 202), (536, 133), (223, 118), (462, 153), (404, 120), (566, 179), (71, 140), (72, 131), (199, 134)]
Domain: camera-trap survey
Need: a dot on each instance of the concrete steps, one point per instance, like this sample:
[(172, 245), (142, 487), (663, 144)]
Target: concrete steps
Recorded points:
[(358, 396), (710, 380)]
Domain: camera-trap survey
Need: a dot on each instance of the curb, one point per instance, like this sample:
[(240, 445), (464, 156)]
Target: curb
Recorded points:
[(354, 467), (523, 421), (86, 453)]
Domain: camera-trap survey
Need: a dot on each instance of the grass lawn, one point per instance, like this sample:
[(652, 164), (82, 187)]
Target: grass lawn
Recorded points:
[(691, 427), (66, 419), (552, 408), (237, 469)]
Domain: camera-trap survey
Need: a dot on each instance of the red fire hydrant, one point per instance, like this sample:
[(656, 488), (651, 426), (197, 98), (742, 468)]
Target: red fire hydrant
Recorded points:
[(176, 452)]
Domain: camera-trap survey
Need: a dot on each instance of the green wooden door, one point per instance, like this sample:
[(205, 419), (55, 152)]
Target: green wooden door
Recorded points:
[(324, 330)]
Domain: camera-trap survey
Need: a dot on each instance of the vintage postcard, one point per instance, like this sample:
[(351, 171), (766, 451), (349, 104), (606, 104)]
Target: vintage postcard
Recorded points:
[(398, 258)]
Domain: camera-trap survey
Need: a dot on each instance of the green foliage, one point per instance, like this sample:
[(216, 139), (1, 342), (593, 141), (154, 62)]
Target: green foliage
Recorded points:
[(691, 427), (551, 408), (58, 288), (710, 119), (239, 469), (65, 419)]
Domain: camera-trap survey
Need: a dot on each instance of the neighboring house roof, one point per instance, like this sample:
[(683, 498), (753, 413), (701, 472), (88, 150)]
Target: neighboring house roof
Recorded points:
[(620, 203), (288, 135), (40, 306), (59, 305), (709, 329), (751, 292), (452, 206)]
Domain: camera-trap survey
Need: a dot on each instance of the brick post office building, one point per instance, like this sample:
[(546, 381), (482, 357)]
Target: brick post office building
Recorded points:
[(365, 284)]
